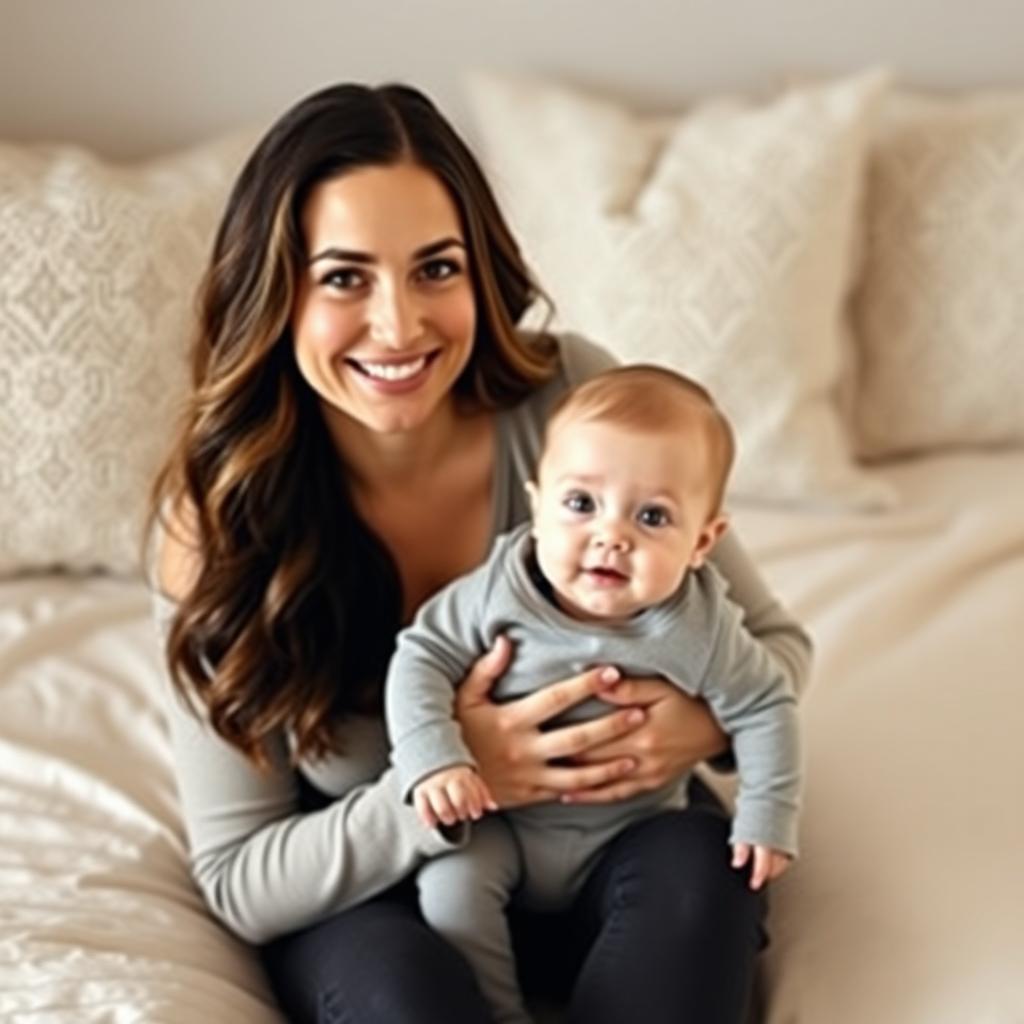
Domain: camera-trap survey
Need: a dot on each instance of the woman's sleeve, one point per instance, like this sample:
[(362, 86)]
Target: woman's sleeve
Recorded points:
[(764, 616), (582, 359), (263, 866)]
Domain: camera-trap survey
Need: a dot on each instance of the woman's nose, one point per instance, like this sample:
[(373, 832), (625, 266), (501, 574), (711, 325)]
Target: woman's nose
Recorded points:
[(393, 318)]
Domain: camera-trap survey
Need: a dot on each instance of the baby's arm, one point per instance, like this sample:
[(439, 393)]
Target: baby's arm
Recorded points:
[(767, 865), (753, 699), (432, 656), (452, 795)]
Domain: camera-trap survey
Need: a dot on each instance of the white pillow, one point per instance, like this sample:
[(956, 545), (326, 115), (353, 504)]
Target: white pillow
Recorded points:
[(98, 269), (718, 241), (940, 312)]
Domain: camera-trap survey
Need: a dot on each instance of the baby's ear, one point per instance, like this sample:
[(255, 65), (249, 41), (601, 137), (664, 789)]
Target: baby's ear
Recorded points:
[(707, 539)]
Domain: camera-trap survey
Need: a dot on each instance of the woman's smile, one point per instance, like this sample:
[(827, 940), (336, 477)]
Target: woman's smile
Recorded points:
[(394, 376)]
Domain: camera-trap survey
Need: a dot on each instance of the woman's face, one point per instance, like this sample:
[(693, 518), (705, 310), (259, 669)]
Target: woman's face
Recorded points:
[(384, 315)]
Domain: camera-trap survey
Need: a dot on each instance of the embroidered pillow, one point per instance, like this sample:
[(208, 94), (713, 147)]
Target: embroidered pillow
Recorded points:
[(940, 311), (718, 241), (98, 268)]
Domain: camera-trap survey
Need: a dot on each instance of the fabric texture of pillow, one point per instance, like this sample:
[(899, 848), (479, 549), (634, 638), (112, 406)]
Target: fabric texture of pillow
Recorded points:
[(719, 242), (940, 310), (98, 269)]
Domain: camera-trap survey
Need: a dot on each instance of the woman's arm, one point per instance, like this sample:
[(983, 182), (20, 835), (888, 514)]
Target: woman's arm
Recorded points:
[(764, 616), (263, 866)]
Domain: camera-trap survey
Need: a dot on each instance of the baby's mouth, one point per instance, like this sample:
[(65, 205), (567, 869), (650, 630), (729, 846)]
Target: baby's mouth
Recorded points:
[(605, 574)]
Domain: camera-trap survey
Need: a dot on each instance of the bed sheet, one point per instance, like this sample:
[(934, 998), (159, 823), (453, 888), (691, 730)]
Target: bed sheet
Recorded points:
[(906, 906), (99, 920)]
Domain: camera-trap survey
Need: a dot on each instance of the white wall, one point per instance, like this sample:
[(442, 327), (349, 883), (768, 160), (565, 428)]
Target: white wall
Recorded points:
[(131, 77)]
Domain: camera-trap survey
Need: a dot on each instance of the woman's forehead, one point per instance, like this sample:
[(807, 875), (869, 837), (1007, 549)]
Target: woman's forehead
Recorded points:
[(380, 209)]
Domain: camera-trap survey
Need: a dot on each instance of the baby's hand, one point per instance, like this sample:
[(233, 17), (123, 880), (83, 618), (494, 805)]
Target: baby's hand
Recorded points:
[(768, 863), (452, 795)]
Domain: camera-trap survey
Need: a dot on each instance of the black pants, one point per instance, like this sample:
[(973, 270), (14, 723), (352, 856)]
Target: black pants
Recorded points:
[(664, 932)]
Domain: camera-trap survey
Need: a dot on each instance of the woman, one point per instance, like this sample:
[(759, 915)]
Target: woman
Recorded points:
[(364, 414)]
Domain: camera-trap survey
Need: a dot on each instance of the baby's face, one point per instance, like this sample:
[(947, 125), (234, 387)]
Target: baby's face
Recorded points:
[(620, 515)]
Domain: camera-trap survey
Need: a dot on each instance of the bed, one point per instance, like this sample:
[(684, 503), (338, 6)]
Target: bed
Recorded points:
[(905, 906), (871, 285)]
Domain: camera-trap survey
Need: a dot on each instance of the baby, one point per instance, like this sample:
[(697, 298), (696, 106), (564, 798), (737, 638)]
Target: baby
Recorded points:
[(612, 570)]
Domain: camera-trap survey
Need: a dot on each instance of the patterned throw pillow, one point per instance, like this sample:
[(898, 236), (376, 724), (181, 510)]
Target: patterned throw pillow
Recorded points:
[(719, 242), (98, 269), (940, 312)]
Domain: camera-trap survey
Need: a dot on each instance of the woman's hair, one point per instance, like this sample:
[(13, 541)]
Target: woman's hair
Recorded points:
[(295, 603)]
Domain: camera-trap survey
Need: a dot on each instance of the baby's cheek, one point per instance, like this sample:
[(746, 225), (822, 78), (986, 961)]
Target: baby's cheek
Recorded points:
[(551, 556), (663, 579)]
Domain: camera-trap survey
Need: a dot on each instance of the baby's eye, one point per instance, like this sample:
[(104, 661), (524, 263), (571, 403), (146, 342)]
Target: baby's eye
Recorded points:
[(579, 501), (344, 279), (439, 269), (654, 515)]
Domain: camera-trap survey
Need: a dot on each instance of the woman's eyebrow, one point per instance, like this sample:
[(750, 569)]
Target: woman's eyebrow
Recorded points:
[(355, 256), (439, 246), (343, 255)]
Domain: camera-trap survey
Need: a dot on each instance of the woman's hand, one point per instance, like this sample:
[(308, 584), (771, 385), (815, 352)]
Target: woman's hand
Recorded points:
[(678, 733), (513, 755)]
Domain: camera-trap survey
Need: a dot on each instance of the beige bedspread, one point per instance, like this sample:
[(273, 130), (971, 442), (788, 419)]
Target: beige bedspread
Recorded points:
[(907, 905)]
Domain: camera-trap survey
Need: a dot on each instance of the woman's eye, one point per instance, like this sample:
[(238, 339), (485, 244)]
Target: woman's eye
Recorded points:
[(439, 269), (579, 501), (653, 515), (344, 279)]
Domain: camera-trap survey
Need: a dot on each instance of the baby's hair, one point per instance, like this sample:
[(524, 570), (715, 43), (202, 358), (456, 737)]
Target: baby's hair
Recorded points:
[(648, 398)]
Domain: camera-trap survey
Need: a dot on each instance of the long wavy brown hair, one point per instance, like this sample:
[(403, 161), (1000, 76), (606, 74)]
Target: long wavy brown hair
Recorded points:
[(295, 603)]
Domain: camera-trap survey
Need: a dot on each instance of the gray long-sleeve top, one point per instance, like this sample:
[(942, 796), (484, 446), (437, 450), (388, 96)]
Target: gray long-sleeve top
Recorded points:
[(694, 639), (266, 866)]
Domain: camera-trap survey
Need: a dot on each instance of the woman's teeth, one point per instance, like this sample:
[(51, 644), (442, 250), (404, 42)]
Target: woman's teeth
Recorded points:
[(393, 371)]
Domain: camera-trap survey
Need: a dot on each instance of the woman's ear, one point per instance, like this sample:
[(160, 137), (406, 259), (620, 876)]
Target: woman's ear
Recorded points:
[(707, 539), (533, 495)]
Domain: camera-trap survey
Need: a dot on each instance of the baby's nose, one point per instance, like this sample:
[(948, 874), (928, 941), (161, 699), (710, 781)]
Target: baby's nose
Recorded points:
[(613, 537)]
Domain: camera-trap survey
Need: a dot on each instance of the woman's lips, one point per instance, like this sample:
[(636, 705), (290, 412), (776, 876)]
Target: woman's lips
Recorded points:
[(394, 376)]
